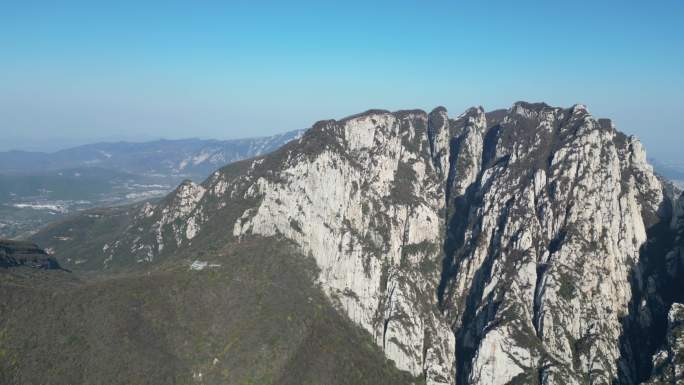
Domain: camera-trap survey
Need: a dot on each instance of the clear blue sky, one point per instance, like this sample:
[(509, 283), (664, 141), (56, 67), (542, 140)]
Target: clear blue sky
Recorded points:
[(73, 71)]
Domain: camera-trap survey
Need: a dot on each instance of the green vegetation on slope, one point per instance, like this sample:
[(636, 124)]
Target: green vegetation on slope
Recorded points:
[(255, 319)]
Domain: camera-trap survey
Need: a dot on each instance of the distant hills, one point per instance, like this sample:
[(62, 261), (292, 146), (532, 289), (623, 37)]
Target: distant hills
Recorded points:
[(186, 157), (673, 172), (37, 187)]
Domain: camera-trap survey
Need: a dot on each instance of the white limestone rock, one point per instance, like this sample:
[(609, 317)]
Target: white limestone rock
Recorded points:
[(485, 249), (370, 216)]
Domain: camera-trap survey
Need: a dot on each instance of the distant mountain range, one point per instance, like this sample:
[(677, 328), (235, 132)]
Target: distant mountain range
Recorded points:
[(185, 157), (671, 171), (37, 188)]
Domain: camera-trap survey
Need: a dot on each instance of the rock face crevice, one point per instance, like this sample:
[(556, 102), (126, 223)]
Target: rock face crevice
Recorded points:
[(520, 246), (650, 343)]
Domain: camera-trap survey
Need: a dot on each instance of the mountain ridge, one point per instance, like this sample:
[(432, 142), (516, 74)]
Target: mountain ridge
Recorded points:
[(37, 188), (179, 156), (490, 248)]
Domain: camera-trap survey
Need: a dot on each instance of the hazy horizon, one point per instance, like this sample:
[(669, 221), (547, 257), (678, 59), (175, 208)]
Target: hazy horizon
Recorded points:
[(78, 72)]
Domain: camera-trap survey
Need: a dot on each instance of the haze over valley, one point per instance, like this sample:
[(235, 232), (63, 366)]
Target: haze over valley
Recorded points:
[(38, 188)]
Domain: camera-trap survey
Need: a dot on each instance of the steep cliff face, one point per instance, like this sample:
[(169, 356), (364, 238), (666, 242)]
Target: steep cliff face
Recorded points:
[(362, 196), (542, 244), (493, 248), (368, 208)]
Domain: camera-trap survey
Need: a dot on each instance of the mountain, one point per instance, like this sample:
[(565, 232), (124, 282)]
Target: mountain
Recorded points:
[(38, 188), (185, 157), (533, 245)]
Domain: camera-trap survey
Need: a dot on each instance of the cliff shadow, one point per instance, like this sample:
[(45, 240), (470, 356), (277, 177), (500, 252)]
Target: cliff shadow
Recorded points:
[(656, 285)]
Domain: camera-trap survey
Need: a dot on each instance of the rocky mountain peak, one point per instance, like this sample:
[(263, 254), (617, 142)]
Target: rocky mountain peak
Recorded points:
[(547, 217), (489, 248)]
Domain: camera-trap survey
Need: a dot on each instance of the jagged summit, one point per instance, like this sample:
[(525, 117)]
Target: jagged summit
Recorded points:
[(488, 248), (537, 106), (537, 110)]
